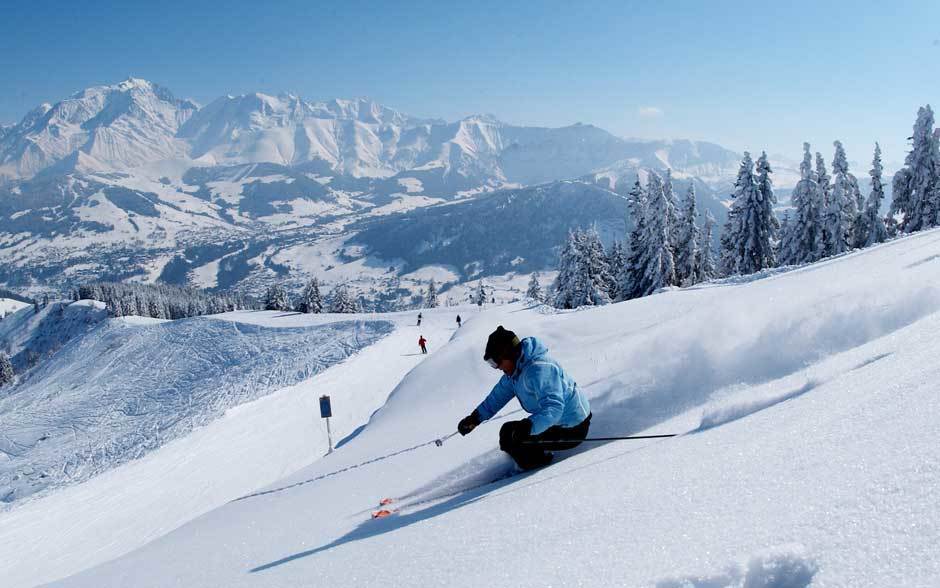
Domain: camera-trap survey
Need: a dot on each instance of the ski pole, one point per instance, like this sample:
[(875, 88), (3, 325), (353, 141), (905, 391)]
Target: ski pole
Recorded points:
[(629, 438), (440, 441)]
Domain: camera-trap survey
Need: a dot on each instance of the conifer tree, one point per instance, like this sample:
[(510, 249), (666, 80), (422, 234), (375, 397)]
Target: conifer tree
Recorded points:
[(749, 237), (311, 301), (534, 291), (342, 300), (915, 188), (569, 266), (657, 261), (595, 273), (707, 267), (841, 218), (689, 238), (583, 273), (480, 296), (630, 274), (275, 298), (6, 370), (673, 218), (430, 299), (874, 225), (612, 259), (803, 241)]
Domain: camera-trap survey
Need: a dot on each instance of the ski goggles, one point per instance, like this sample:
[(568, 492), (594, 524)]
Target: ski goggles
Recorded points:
[(492, 363)]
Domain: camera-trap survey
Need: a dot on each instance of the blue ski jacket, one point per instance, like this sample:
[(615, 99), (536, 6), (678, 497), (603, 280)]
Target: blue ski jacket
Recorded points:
[(543, 388)]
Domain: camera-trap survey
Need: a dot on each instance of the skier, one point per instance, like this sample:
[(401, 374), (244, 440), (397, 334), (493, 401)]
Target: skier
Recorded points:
[(419, 319), (557, 408), (458, 321), (423, 343)]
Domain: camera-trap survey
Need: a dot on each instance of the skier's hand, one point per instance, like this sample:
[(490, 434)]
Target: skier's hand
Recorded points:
[(468, 423)]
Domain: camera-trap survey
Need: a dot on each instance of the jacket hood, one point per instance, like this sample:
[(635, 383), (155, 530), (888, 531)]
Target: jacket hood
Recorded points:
[(532, 350)]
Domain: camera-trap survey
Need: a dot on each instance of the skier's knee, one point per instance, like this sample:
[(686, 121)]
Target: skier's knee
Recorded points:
[(505, 436)]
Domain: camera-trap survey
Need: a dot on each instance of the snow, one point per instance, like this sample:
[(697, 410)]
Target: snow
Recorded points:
[(806, 400), (402, 203), (227, 458), (9, 306), (411, 184), (439, 273), (104, 401)]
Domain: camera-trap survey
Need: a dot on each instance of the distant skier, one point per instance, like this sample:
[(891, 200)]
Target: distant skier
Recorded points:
[(423, 343), (557, 408), (419, 319), (458, 321)]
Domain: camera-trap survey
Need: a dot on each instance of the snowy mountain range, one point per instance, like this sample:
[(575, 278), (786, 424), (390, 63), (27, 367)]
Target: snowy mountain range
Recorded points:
[(136, 123), (129, 182)]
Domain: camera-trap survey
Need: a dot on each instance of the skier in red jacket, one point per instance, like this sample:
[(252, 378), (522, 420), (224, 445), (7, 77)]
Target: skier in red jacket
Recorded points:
[(423, 343)]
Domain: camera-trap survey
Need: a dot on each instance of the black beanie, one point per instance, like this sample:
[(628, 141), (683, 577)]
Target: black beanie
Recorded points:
[(502, 344)]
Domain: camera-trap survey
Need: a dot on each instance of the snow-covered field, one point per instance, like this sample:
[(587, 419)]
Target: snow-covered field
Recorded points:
[(807, 402), (9, 306)]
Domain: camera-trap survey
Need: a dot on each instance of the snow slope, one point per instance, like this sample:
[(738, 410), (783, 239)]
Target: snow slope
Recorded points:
[(133, 384), (254, 443), (9, 306), (809, 405)]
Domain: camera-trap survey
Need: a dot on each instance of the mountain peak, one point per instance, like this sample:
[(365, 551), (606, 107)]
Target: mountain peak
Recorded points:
[(121, 125), (482, 117), (132, 83)]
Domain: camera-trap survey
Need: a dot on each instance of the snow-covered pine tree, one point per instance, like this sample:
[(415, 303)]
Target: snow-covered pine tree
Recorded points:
[(342, 300), (480, 296), (6, 370), (566, 285), (614, 259), (802, 243), (768, 200), (673, 219), (750, 235), (784, 235), (594, 273), (534, 291), (915, 186), (275, 298), (706, 259), (430, 299), (631, 272), (831, 238), (311, 301), (658, 263), (841, 219), (689, 238), (874, 225)]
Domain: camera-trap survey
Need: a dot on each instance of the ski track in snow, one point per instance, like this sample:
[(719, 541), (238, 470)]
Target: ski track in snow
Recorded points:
[(125, 389)]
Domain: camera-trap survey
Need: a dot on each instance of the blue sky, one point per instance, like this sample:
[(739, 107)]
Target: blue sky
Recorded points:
[(744, 75)]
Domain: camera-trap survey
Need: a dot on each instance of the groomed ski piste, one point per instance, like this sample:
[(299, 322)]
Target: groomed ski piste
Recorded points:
[(806, 400)]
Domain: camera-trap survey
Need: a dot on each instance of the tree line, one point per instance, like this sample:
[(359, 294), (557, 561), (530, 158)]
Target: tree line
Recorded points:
[(669, 243), (159, 300)]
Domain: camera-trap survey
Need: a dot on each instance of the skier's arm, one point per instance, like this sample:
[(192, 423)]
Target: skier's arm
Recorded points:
[(496, 399), (547, 382)]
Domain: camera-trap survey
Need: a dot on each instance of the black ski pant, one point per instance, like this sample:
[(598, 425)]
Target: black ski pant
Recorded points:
[(531, 453)]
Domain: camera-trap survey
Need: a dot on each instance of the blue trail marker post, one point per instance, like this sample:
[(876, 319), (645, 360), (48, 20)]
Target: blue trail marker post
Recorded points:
[(326, 412)]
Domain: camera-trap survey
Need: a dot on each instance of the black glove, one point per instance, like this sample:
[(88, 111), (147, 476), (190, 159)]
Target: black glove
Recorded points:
[(468, 423), (513, 433)]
